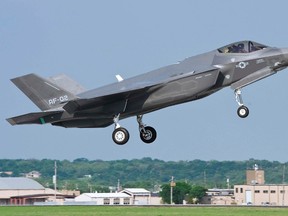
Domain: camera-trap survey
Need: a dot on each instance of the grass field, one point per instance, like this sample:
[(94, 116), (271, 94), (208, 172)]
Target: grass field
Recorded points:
[(137, 211)]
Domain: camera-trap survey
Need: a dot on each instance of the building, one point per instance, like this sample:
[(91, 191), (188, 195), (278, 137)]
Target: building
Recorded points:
[(6, 173), (261, 194), (33, 174), (217, 196), (105, 199), (24, 191), (128, 196), (69, 193), (140, 196), (256, 192), (255, 176)]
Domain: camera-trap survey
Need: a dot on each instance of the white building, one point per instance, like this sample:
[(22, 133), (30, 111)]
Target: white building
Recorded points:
[(140, 196), (33, 174), (105, 198), (129, 196)]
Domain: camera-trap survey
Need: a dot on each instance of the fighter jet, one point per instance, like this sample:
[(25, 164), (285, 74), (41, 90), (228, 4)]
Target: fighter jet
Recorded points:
[(66, 103)]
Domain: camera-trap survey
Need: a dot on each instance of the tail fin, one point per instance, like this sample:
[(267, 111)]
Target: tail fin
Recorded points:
[(67, 83), (44, 93)]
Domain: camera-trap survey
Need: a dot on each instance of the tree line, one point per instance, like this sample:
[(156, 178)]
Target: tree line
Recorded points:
[(90, 175)]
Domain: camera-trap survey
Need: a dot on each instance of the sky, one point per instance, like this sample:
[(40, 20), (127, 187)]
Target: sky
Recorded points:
[(92, 41)]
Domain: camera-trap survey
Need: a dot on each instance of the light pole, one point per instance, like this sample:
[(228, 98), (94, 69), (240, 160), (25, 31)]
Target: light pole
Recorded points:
[(55, 180), (172, 184)]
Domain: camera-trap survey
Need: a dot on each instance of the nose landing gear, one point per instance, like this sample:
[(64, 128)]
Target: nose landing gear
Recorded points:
[(242, 111)]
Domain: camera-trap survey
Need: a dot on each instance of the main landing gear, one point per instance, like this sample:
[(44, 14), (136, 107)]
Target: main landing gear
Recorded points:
[(121, 135), (147, 134), (242, 111)]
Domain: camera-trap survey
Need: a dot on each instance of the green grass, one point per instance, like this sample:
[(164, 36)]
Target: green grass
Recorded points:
[(137, 211)]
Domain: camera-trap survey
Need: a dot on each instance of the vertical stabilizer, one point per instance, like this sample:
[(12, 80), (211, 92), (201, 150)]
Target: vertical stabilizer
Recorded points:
[(45, 94), (65, 82)]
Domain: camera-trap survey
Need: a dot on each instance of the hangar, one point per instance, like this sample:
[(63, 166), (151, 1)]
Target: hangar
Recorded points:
[(24, 191)]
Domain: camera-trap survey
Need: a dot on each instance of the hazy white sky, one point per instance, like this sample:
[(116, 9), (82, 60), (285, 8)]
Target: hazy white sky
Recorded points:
[(91, 41)]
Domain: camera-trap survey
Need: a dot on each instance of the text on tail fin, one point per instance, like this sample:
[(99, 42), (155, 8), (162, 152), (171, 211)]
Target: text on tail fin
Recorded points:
[(45, 94)]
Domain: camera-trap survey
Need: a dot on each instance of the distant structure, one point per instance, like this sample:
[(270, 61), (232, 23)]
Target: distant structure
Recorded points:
[(104, 199), (218, 196), (255, 176), (33, 174), (128, 196), (26, 191), (6, 173), (256, 192), (140, 196)]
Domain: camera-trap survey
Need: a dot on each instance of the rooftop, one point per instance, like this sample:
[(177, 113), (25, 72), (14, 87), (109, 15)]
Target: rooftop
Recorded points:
[(106, 195), (136, 191), (19, 183)]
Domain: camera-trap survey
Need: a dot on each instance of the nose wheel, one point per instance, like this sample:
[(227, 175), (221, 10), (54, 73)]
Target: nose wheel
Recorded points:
[(242, 111)]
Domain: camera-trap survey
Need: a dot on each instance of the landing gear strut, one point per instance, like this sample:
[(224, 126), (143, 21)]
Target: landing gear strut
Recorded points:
[(242, 111), (120, 135), (147, 134)]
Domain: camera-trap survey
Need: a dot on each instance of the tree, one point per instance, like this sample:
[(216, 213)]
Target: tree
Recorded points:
[(180, 192), (196, 194), (165, 193)]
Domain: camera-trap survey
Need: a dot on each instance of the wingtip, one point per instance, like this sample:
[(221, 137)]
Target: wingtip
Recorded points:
[(11, 121)]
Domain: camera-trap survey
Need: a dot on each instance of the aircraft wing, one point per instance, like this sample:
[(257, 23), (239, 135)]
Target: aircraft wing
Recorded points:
[(119, 99), (116, 100)]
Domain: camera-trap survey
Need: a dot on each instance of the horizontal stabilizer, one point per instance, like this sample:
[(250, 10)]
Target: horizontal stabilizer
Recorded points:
[(35, 118)]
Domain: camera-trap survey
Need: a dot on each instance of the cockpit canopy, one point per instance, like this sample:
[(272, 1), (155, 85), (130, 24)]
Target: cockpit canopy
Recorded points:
[(242, 47)]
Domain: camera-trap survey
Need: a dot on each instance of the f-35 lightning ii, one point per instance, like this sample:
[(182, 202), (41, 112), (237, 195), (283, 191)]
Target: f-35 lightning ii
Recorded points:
[(66, 103)]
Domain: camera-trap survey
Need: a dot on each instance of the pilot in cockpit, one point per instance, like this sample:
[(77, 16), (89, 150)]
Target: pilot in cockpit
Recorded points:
[(241, 48)]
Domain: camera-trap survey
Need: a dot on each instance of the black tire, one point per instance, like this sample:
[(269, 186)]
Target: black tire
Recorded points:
[(120, 136), (149, 135), (243, 111)]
